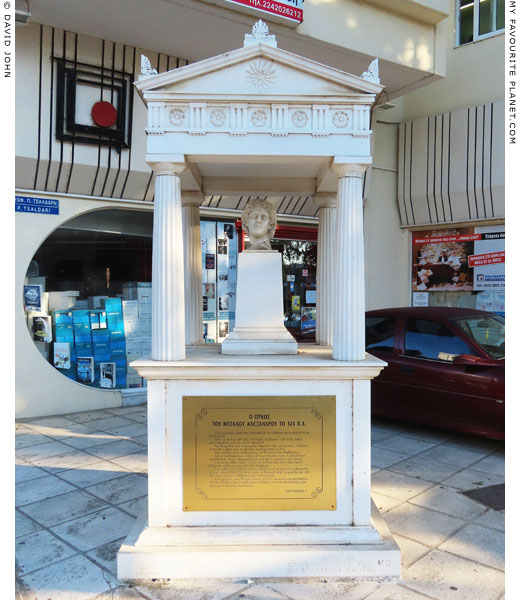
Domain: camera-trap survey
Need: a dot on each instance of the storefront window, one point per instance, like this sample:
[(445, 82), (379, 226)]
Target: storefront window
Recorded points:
[(219, 243), (299, 287), (87, 297)]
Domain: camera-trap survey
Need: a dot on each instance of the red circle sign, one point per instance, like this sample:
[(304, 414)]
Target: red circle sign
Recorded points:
[(104, 114)]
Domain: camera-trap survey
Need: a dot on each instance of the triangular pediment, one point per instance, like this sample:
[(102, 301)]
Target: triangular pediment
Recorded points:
[(257, 70)]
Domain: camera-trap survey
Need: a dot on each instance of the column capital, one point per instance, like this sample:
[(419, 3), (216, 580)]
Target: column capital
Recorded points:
[(326, 199), (166, 164), (192, 198), (348, 167)]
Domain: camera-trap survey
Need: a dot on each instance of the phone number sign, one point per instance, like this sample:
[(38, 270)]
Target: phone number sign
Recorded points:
[(288, 9)]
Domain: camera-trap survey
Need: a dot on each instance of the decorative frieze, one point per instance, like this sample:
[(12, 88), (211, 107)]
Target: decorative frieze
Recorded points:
[(320, 120)]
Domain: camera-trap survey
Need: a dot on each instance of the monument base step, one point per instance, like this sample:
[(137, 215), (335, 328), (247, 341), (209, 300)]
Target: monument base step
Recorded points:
[(139, 560)]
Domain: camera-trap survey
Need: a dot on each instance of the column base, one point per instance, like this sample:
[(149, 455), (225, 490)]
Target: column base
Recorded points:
[(227, 552)]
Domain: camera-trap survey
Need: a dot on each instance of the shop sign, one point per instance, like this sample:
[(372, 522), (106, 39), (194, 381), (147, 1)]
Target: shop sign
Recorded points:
[(32, 295), (42, 206), (292, 10)]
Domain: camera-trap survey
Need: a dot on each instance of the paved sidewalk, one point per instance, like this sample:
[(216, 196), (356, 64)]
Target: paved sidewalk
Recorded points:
[(81, 481)]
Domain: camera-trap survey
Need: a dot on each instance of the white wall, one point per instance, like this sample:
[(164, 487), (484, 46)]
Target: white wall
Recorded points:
[(387, 271)]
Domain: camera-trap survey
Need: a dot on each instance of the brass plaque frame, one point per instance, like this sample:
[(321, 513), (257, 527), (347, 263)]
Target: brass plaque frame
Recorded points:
[(261, 453)]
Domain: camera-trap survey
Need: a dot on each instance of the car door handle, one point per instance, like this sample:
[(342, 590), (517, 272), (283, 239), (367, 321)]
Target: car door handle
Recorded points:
[(406, 370)]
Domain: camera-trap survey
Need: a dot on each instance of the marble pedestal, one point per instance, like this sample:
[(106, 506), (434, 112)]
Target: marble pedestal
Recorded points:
[(170, 542), (259, 327)]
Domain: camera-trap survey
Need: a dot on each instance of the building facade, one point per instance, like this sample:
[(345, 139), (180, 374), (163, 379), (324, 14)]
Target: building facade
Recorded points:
[(434, 193)]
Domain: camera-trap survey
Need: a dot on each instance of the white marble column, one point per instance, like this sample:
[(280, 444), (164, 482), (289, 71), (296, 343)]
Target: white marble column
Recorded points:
[(168, 332), (192, 266), (349, 288), (325, 273)]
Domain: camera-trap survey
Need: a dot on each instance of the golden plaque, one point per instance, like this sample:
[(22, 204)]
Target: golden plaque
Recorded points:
[(259, 453)]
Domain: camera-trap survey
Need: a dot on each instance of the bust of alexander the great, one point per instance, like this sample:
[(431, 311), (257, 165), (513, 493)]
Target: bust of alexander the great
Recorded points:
[(259, 222)]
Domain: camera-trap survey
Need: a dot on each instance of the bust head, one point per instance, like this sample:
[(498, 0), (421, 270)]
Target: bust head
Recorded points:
[(259, 221)]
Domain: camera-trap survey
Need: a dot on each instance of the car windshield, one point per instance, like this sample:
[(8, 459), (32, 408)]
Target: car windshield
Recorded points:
[(488, 332)]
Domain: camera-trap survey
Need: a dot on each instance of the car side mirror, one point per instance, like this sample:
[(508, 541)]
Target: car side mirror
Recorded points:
[(472, 361)]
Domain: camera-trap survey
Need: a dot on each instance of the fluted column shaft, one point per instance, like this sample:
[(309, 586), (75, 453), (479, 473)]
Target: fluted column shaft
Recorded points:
[(325, 272), (168, 331), (349, 306), (192, 266)]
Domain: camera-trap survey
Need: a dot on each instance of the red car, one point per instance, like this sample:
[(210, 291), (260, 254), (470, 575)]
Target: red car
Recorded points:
[(445, 367)]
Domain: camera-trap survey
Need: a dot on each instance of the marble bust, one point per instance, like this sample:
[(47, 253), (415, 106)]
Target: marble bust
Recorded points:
[(259, 222)]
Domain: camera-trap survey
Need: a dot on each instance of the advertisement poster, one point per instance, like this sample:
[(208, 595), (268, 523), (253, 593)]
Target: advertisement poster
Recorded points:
[(310, 296), (420, 299), (499, 302), (440, 260), (462, 259), (107, 375), (210, 261), (484, 301), (488, 259), (85, 369), (32, 295), (295, 303)]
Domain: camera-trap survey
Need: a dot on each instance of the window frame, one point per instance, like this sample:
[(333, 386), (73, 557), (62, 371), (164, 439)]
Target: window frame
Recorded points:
[(476, 23)]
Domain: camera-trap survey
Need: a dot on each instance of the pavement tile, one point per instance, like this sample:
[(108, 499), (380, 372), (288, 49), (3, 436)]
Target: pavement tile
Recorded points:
[(116, 449), (377, 435), (444, 576), (63, 508), (387, 425), (450, 501), (23, 525), (395, 485), (94, 473), (84, 441), (30, 438), (411, 550), (324, 590), (121, 593), (46, 487), (128, 431), (491, 464), (48, 422), (194, 589), (61, 432), (26, 472), (429, 470), (492, 518), (384, 503), (90, 415), (135, 507), (124, 410), (121, 490), (74, 459), (405, 445), (395, 591), (95, 529), (39, 549), (381, 458), (422, 525), (106, 555), (469, 479), (479, 544), (142, 439), (75, 578), (138, 463), (35, 453), (452, 455), (473, 442), (140, 417), (427, 434), (109, 423)]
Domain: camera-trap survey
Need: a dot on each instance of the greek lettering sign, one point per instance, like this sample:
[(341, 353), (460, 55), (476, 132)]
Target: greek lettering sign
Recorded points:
[(42, 206), (259, 453)]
